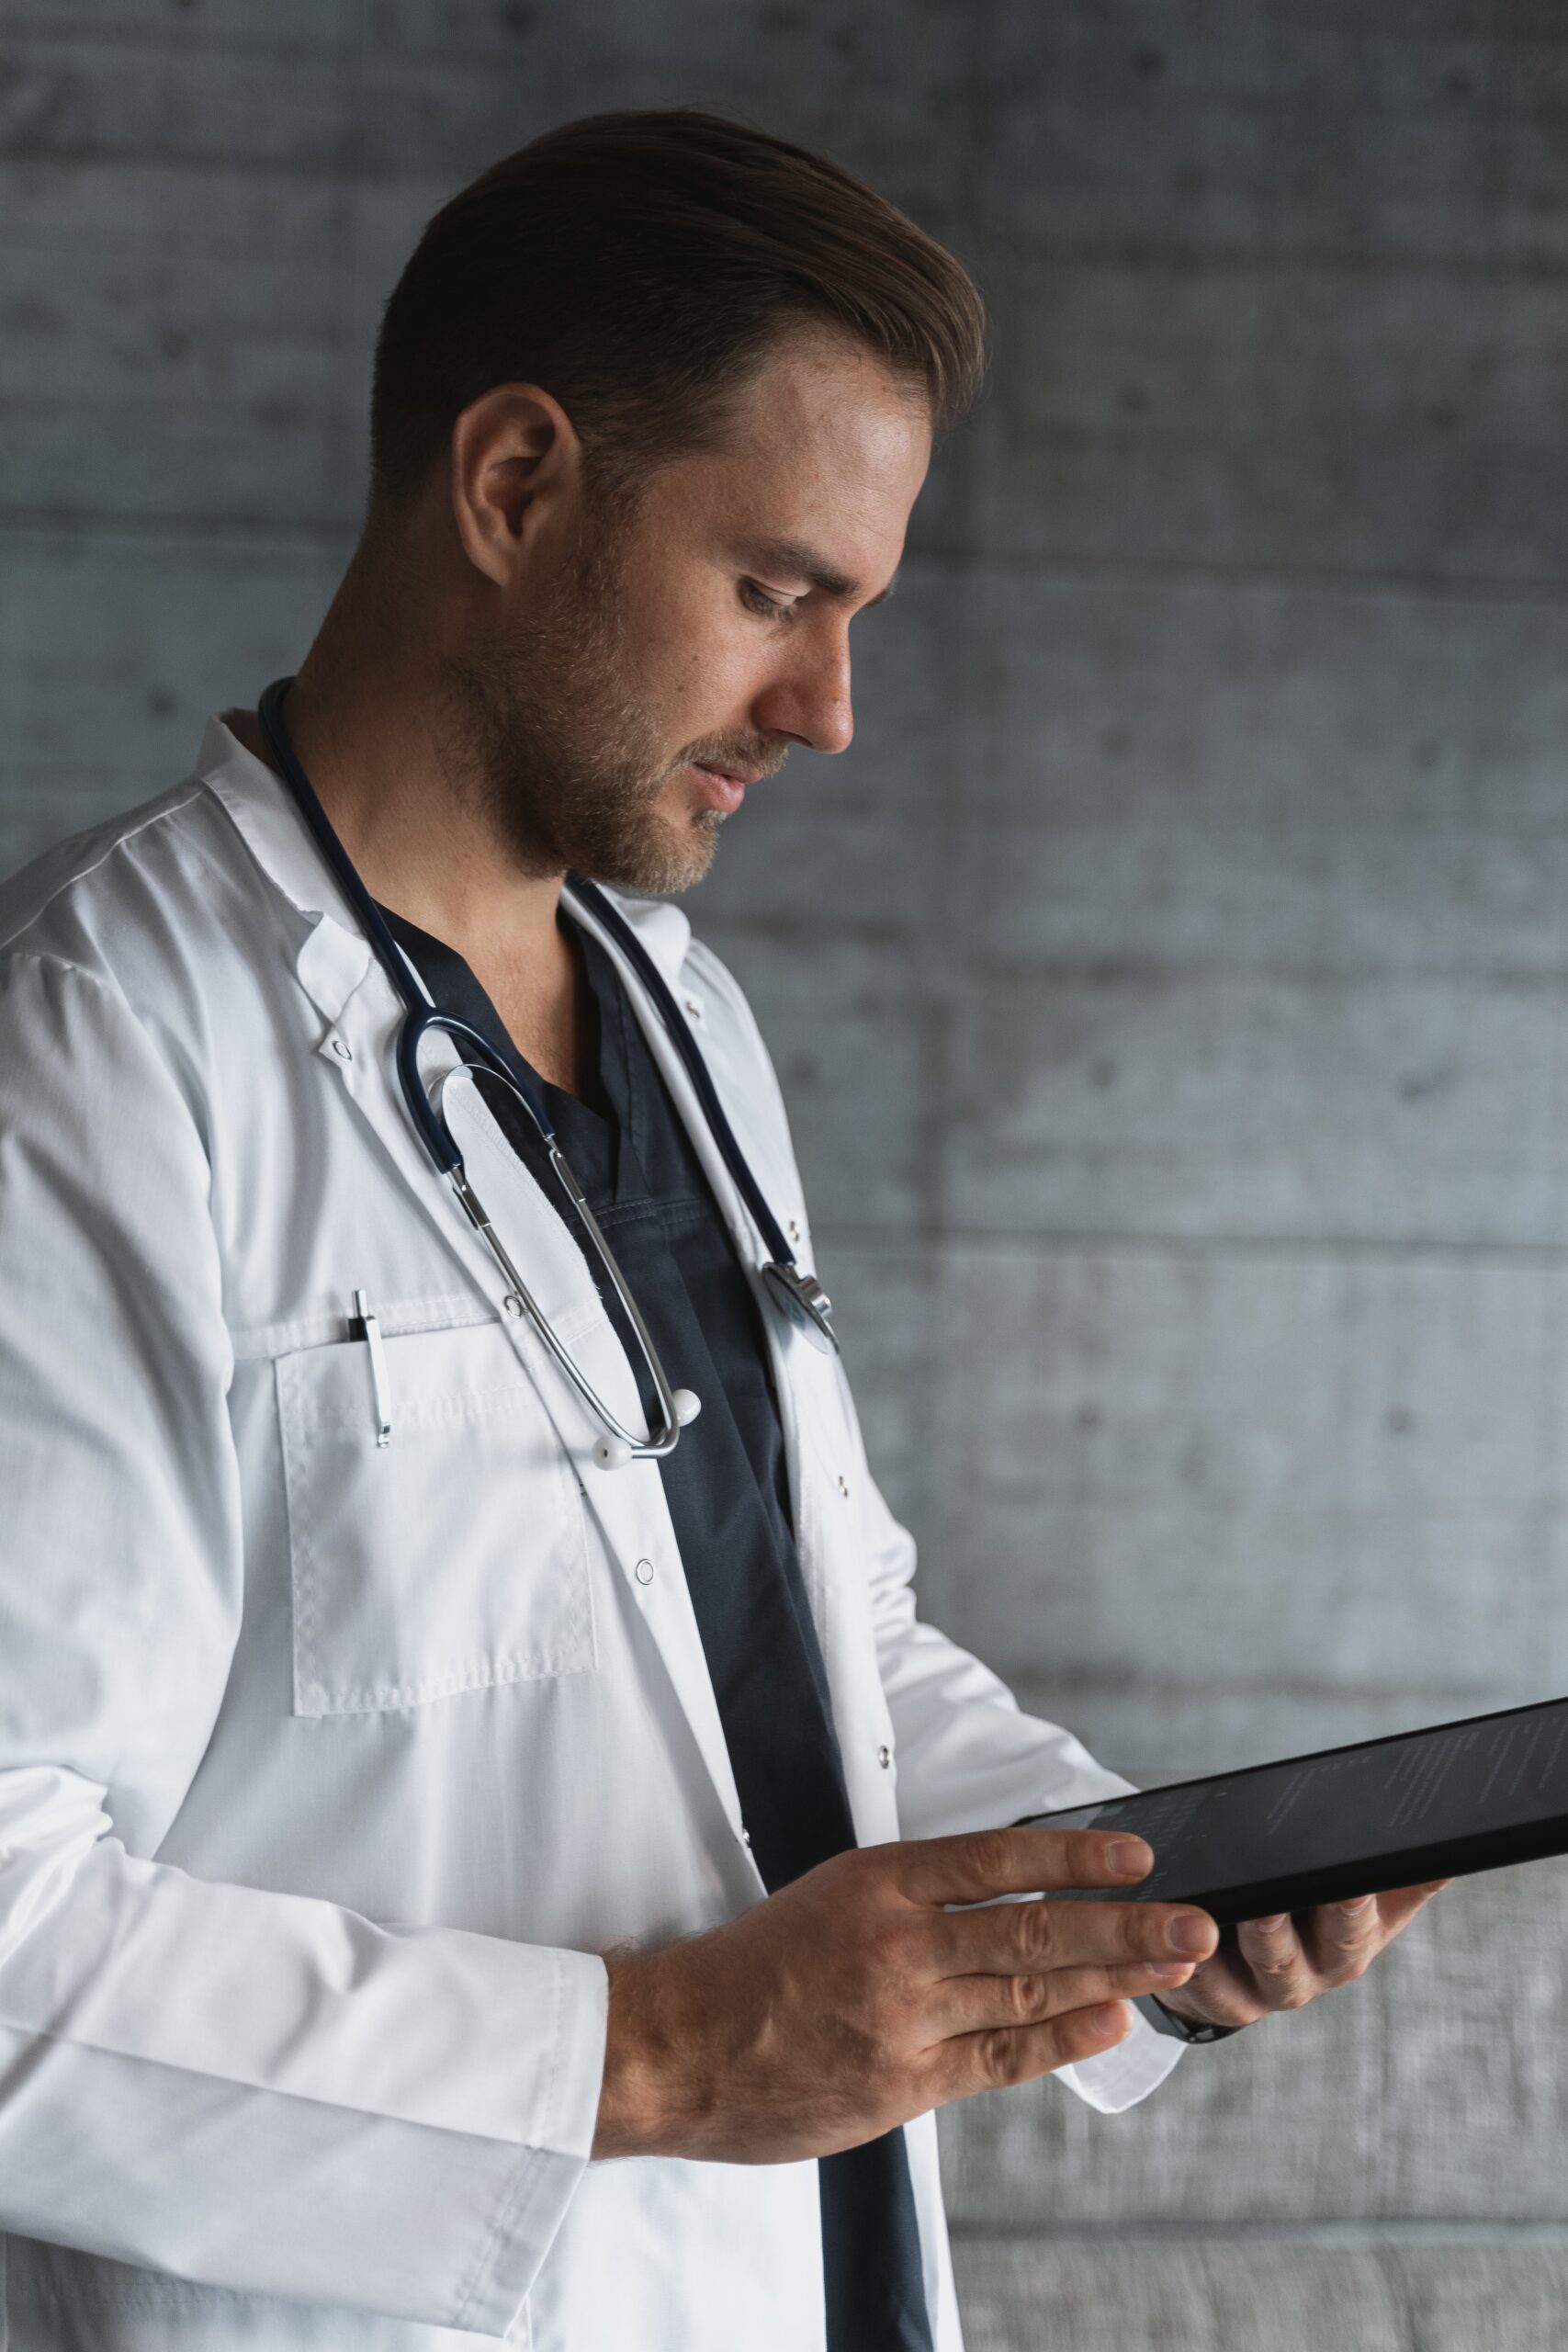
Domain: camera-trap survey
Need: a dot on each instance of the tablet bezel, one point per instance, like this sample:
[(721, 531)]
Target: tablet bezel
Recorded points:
[(1303, 1890)]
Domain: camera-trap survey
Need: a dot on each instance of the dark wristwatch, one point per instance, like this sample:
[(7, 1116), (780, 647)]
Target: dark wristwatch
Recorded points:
[(1166, 2021)]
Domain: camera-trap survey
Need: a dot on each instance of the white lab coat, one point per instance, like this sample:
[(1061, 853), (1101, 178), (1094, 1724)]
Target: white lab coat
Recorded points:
[(325, 1771)]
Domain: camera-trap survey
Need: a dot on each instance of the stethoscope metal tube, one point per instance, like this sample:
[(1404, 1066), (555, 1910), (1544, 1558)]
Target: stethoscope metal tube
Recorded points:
[(797, 1294), (616, 1445)]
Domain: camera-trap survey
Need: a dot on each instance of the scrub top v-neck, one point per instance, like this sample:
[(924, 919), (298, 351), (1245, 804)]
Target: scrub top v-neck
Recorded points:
[(726, 1486)]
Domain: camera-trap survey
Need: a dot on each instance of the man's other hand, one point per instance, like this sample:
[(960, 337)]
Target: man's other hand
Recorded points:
[(855, 1998), (1280, 1963)]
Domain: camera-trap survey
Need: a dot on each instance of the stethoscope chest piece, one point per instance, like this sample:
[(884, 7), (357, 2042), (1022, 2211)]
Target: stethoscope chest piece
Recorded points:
[(805, 1303)]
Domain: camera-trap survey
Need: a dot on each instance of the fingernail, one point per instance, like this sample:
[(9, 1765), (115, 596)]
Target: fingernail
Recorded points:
[(1191, 1933), (1271, 1924), (1170, 1971), (1129, 1858), (1112, 2019)]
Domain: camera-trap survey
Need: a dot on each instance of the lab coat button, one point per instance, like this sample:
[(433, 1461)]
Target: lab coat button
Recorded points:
[(745, 1837), (343, 1049), (512, 1303), (885, 1757), (644, 1572), (843, 1485)]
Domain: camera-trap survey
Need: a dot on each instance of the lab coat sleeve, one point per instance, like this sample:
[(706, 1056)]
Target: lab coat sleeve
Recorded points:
[(968, 1759), (249, 2089)]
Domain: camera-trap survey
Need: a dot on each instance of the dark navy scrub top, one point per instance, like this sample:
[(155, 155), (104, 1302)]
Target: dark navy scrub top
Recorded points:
[(726, 1486)]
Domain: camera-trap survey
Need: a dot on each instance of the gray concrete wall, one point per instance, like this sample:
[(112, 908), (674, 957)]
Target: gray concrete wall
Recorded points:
[(1170, 984)]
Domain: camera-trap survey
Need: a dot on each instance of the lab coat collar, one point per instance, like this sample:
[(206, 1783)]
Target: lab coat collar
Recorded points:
[(335, 958)]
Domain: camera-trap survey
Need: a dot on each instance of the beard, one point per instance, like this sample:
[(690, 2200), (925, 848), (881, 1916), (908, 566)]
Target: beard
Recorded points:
[(545, 724)]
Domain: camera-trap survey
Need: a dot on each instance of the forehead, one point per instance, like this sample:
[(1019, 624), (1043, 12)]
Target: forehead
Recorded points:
[(821, 394), (821, 442)]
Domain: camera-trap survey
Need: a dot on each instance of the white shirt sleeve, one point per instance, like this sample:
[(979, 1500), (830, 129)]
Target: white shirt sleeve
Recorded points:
[(252, 2089)]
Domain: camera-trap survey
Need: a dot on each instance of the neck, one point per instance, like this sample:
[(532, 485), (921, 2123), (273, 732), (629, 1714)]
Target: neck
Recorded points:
[(364, 716)]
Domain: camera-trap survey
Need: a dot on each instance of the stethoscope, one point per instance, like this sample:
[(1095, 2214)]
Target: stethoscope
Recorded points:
[(798, 1295)]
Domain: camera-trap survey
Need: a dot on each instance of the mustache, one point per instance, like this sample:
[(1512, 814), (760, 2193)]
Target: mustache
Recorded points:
[(746, 754)]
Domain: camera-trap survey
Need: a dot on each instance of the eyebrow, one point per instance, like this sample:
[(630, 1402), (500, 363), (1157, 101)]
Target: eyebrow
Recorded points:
[(801, 562)]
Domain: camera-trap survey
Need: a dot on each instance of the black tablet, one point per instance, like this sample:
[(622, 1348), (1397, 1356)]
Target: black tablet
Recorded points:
[(1348, 1821)]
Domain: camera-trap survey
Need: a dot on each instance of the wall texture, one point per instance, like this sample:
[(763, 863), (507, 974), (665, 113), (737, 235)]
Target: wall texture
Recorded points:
[(1168, 985)]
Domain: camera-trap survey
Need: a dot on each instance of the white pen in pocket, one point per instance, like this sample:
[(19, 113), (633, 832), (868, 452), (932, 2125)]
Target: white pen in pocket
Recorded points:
[(362, 1325)]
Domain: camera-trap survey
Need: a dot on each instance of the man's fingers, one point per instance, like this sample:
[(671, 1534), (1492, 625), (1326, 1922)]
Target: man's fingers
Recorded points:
[(1345, 1937), (967, 2005), (1397, 1910), (990, 1862), (1225, 1992), (1029, 1939), (1271, 1965), (1275, 1960), (1004, 2055)]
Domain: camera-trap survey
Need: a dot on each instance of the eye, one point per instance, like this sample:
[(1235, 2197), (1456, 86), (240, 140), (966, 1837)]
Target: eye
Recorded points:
[(757, 600)]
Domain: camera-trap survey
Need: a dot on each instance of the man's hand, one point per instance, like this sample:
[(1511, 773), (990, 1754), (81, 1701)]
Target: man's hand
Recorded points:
[(854, 1999), (1273, 1964)]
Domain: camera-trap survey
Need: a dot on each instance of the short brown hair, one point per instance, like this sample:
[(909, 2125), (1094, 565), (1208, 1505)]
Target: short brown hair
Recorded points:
[(637, 266)]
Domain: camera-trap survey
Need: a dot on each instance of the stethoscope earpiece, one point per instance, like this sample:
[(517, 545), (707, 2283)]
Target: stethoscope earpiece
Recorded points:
[(614, 1452)]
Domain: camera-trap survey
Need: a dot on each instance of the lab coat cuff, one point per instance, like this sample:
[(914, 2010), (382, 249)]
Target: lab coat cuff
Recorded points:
[(1119, 2078), (545, 2178)]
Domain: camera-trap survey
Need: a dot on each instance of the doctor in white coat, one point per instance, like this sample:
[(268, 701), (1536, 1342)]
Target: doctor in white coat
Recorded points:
[(383, 1957)]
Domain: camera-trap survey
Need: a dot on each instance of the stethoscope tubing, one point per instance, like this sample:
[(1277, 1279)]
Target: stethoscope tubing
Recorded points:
[(799, 1295), (588, 894)]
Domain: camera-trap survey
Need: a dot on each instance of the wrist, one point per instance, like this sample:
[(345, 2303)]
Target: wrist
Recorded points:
[(624, 2116), (648, 2072)]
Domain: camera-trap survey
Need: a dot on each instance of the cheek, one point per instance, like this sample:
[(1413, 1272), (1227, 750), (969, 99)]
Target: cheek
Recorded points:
[(664, 674), (697, 665)]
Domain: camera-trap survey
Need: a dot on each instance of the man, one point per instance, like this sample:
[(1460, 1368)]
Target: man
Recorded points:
[(447, 1887)]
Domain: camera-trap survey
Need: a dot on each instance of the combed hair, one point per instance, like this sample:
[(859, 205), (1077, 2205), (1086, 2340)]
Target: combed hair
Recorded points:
[(637, 266)]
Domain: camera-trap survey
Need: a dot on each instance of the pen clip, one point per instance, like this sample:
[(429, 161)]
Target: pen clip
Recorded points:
[(362, 1325)]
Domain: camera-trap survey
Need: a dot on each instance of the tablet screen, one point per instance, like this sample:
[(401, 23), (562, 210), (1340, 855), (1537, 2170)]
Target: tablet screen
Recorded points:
[(1460, 1796)]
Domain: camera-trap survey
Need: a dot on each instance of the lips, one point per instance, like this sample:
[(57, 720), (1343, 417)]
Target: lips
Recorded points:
[(723, 788)]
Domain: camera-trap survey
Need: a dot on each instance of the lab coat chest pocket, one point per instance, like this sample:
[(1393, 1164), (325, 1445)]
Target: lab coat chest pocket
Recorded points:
[(454, 1558)]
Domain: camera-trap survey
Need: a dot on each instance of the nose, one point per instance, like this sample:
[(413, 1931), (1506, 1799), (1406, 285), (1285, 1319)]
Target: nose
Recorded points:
[(808, 700)]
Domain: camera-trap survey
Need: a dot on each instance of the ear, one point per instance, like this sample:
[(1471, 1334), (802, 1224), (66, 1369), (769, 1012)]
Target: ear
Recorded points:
[(516, 469)]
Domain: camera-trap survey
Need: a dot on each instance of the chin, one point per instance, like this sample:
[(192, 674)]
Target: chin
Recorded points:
[(672, 858), (687, 859)]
